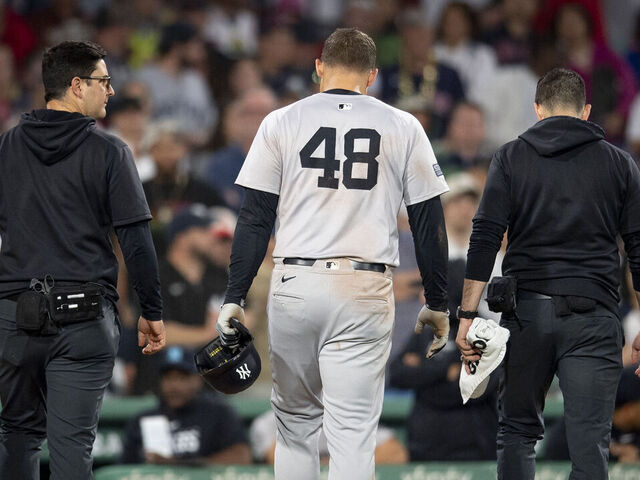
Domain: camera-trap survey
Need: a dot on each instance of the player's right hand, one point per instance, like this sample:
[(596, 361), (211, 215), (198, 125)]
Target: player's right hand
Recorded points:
[(229, 336), (151, 335), (439, 322)]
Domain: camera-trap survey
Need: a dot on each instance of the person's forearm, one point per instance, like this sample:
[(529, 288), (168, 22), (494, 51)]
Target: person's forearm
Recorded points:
[(426, 220), (250, 242), (471, 294), (142, 264)]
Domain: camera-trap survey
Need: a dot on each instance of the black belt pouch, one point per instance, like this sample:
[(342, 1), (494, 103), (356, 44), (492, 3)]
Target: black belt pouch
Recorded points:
[(501, 294), (76, 303), (32, 311)]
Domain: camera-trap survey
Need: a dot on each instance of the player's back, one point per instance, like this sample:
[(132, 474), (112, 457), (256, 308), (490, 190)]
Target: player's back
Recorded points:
[(341, 163)]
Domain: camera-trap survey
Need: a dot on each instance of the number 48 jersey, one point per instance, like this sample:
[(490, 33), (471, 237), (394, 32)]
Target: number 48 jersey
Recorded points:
[(341, 165)]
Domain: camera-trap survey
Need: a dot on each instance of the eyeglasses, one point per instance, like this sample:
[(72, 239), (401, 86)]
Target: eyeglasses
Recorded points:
[(106, 78)]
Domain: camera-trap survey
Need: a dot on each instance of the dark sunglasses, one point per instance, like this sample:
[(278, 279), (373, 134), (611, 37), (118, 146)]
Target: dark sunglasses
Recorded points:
[(106, 78)]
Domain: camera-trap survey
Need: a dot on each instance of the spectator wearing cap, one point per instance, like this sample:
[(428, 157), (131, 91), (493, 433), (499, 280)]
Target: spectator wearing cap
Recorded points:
[(192, 285), (189, 426), (178, 91)]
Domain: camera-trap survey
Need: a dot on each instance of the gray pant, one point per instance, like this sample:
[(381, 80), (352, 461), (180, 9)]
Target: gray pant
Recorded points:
[(330, 337), (584, 350), (51, 386)]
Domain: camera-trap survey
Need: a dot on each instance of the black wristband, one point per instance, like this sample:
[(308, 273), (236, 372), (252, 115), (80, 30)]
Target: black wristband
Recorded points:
[(466, 314)]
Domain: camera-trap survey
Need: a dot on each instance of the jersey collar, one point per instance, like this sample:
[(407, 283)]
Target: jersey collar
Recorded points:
[(341, 91)]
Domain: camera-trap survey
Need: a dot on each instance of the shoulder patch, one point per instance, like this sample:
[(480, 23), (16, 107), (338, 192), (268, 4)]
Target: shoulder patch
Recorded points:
[(438, 170)]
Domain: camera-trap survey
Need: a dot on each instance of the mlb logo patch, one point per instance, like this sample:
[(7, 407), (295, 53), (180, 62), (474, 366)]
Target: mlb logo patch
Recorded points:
[(438, 170), (345, 106)]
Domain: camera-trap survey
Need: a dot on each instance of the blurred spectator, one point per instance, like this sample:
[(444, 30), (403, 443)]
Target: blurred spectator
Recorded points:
[(196, 428), (173, 186), (189, 277), (112, 32), (277, 56), (59, 21), (548, 15), (512, 37), (464, 432), (178, 91), (509, 110), (419, 73), (244, 75), (609, 82), (464, 142), (145, 16), (433, 8), (440, 427), (241, 122), (232, 28), (262, 435), (128, 121), (458, 48), (16, 34), (192, 285)]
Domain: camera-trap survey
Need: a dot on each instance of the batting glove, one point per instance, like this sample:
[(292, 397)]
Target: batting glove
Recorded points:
[(439, 322), (229, 336)]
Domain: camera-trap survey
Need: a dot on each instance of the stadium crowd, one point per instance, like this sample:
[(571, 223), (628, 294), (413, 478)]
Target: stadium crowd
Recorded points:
[(193, 80)]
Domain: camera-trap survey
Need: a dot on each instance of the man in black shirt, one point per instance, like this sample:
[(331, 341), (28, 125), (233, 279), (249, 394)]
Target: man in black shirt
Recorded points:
[(564, 194), (64, 186), (200, 429)]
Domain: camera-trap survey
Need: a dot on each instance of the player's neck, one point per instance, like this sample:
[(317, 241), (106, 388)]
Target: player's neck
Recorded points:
[(355, 84)]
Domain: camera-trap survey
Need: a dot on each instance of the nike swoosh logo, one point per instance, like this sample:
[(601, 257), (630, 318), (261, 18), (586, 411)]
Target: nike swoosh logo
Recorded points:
[(285, 279)]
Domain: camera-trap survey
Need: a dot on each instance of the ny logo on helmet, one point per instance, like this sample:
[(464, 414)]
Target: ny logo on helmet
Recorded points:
[(243, 371)]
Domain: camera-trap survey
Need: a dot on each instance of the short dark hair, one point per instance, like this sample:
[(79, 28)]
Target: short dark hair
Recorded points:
[(350, 48), (561, 87), (65, 61)]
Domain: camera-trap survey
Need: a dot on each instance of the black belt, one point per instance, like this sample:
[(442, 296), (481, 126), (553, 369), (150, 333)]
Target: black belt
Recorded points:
[(529, 295), (308, 262)]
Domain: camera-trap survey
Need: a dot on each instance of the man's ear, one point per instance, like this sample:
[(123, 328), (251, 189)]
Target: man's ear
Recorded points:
[(319, 68), (540, 111), (76, 87), (586, 111), (373, 74)]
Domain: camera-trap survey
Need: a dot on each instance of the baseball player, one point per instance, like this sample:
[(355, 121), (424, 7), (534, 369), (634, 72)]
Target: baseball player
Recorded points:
[(331, 171)]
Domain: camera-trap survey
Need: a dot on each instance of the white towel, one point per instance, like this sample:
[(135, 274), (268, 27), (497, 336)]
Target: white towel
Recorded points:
[(491, 339)]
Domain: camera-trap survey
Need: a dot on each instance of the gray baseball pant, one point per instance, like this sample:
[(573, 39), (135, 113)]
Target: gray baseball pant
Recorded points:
[(330, 336), (52, 386)]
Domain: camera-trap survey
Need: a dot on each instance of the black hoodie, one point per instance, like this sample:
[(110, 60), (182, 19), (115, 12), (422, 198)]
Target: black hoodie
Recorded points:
[(564, 194), (64, 185)]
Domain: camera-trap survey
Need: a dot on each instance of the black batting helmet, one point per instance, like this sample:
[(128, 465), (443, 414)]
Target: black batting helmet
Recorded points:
[(229, 370)]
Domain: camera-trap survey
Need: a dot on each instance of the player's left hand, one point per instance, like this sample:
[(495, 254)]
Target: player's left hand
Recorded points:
[(439, 322), (635, 353), (229, 335)]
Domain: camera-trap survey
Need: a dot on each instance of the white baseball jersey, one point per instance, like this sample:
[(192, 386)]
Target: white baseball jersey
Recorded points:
[(341, 165)]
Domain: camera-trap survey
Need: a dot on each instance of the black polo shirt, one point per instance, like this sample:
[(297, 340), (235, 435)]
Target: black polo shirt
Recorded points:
[(64, 185)]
